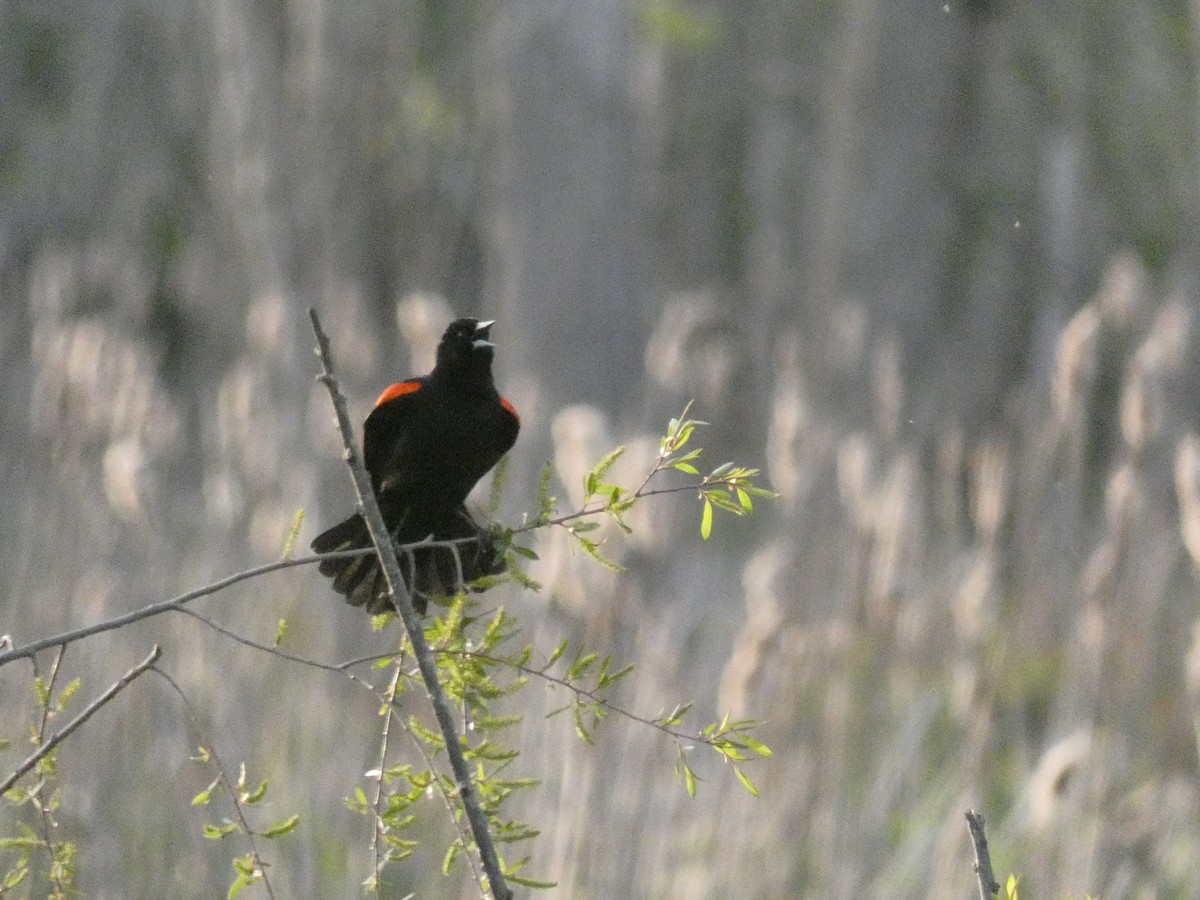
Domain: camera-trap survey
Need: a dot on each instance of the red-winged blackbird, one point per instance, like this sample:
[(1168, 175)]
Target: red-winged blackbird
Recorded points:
[(425, 444)]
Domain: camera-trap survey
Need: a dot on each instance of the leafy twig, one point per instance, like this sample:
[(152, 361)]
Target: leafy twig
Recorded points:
[(58, 875), (377, 829), (729, 739), (258, 869), (727, 487)]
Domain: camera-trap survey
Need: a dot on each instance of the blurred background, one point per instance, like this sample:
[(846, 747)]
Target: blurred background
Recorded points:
[(932, 266)]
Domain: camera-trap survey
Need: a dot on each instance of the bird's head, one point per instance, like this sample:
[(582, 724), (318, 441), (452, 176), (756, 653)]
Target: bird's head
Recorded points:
[(465, 346)]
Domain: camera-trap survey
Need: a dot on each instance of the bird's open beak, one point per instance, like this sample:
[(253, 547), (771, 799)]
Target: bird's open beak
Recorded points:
[(481, 334)]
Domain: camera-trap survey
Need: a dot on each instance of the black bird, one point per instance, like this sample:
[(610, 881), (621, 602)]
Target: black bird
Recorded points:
[(425, 444)]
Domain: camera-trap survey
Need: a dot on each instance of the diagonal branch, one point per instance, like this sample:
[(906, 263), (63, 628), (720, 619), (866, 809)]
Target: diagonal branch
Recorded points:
[(426, 661), (63, 733)]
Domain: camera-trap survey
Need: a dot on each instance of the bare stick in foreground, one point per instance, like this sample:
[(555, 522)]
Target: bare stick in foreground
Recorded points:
[(988, 887)]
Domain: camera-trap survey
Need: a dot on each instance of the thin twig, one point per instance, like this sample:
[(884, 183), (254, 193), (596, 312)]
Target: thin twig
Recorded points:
[(45, 813), (640, 493), (988, 887), (154, 609), (594, 697), (177, 603), (377, 832), (426, 661), (259, 865), (65, 732), (256, 645), (54, 670)]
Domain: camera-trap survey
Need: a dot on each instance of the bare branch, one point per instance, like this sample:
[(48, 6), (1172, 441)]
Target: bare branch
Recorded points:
[(154, 609), (412, 623), (988, 887), (9, 654), (63, 733)]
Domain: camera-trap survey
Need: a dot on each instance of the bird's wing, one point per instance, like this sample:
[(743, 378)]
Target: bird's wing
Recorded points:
[(388, 427)]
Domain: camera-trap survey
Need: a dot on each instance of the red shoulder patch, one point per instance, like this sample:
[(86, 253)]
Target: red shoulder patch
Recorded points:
[(504, 401), (398, 390)]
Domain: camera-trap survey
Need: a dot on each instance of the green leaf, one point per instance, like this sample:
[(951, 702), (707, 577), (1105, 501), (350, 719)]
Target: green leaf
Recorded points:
[(287, 825), (15, 876), (451, 854), (21, 843), (238, 885), (580, 728), (216, 832), (379, 622), (728, 749), (545, 502), (524, 551), (252, 797), (684, 434), (67, 693), (289, 542), (755, 745), (595, 477), (706, 520), (755, 491), (280, 631), (205, 795), (592, 549), (685, 467), (359, 802), (531, 882), (558, 652), (724, 501), (432, 738), (244, 864), (675, 716), (582, 662), (689, 778), (499, 481), (746, 782)]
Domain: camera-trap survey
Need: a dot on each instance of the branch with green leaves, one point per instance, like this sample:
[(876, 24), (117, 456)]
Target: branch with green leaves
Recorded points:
[(731, 740), (249, 868), (728, 486), (470, 646)]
